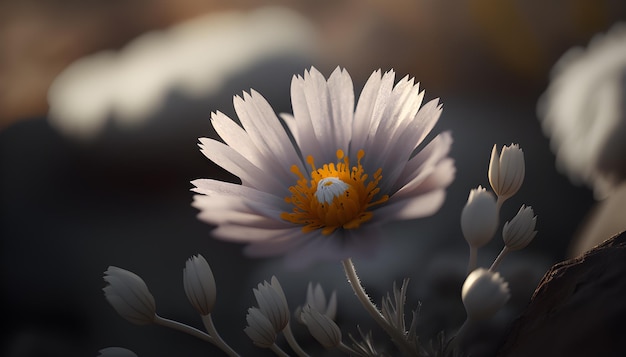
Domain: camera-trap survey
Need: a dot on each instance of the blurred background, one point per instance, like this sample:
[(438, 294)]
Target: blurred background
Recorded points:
[(102, 103)]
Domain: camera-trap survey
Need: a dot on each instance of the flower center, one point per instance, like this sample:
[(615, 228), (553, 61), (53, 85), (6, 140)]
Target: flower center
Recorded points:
[(335, 196)]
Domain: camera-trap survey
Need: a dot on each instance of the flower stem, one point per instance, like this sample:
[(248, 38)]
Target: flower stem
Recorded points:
[(291, 340), (473, 256), (347, 349), (183, 328), (505, 250), (459, 338), (499, 202), (278, 351), (217, 339), (396, 336)]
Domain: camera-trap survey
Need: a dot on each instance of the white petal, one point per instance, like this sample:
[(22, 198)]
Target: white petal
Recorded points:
[(399, 128), (232, 210), (363, 111), (370, 109), (341, 92), (233, 162), (424, 163), (210, 186), (237, 138), (277, 246), (413, 207), (241, 233), (268, 135), (307, 141)]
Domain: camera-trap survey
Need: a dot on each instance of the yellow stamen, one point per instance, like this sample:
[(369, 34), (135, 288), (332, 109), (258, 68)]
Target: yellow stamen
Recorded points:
[(336, 195)]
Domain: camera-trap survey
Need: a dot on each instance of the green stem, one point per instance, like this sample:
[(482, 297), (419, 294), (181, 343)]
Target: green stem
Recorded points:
[(291, 340), (459, 340), (278, 351), (396, 336), (499, 203), (346, 349), (505, 250), (183, 328), (473, 257), (217, 339)]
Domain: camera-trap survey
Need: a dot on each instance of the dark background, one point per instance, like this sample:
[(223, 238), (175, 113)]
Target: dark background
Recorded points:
[(70, 208)]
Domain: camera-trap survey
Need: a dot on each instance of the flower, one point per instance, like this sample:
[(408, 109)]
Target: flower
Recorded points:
[(506, 173), (116, 352), (129, 296), (484, 293), (320, 186), (317, 300), (479, 218), (260, 329), (583, 112), (273, 303), (199, 284), (520, 231), (321, 327)]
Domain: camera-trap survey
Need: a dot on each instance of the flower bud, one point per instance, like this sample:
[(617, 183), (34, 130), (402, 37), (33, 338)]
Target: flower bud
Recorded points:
[(129, 296), (519, 232), (506, 173), (479, 218), (260, 329), (316, 298), (484, 293), (116, 352), (199, 284), (321, 327), (273, 303)]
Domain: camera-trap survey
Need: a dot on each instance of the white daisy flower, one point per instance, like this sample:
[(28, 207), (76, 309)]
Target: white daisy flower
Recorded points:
[(583, 112), (321, 186)]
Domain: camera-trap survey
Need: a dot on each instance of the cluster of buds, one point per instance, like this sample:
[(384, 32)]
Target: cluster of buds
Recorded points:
[(128, 294), (484, 291), (271, 317)]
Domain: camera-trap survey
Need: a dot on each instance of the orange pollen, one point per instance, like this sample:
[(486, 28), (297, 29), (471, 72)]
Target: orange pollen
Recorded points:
[(336, 195)]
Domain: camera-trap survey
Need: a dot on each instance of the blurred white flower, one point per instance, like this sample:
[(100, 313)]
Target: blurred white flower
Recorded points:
[(348, 171), (116, 352), (321, 327), (520, 231), (273, 303), (195, 57), (583, 111), (260, 328), (129, 296), (479, 217), (484, 293), (199, 284), (506, 172), (316, 298)]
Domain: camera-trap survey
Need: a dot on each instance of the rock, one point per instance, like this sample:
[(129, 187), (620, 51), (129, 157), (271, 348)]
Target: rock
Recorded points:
[(578, 308)]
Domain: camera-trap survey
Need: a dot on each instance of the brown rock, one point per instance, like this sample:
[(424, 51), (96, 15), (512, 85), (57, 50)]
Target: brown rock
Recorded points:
[(578, 308)]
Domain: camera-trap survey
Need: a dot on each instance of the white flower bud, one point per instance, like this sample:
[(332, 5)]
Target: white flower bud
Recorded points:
[(273, 303), (260, 329), (520, 231), (484, 293), (506, 173), (479, 218), (321, 327), (199, 284), (116, 352), (316, 298), (129, 296)]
